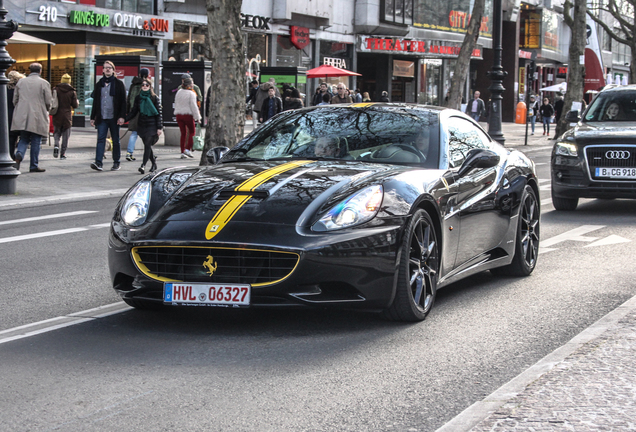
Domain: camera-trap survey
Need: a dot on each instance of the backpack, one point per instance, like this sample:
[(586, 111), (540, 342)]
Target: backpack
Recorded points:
[(55, 103)]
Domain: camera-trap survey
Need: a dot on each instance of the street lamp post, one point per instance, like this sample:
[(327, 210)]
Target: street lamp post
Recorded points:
[(496, 74), (8, 174)]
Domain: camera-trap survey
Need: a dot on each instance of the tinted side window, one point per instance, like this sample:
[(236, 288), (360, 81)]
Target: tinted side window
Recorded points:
[(463, 136)]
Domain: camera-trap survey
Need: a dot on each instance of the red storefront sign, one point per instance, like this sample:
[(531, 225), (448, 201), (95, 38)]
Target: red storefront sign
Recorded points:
[(413, 46), (299, 36)]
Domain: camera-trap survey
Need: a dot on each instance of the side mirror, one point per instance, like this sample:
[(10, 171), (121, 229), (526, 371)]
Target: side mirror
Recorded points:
[(573, 116), (215, 154), (478, 158)]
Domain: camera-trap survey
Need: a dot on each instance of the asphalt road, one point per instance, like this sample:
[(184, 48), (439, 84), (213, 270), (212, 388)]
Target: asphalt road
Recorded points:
[(291, 370)]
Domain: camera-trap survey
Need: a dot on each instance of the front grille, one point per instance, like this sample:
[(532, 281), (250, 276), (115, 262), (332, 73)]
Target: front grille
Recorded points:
[(610, 156), (226, 265)]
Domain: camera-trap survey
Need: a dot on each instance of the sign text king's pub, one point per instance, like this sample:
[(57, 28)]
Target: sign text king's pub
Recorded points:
[(408, 46)]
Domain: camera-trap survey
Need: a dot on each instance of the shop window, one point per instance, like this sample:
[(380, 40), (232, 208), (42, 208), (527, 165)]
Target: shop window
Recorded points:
[(139, 6), (397, 11)]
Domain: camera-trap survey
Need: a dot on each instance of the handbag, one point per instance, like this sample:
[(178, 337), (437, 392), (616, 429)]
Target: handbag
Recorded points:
[(198, 142), (55, 103)]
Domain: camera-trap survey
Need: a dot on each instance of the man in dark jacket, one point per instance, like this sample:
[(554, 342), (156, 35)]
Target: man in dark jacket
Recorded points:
[(108, 113), (63, 118), (271, 106), (133, 91), (476, 107)]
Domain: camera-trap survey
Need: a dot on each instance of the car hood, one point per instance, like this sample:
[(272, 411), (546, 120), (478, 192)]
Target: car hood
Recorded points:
[(263, 192), (603, 133)]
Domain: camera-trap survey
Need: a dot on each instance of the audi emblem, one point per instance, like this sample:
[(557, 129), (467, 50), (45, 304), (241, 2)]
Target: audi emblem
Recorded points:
[(617, 154)]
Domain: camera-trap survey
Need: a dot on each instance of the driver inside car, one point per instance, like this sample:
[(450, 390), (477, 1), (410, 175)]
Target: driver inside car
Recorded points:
[(326, 147), (422, 142)]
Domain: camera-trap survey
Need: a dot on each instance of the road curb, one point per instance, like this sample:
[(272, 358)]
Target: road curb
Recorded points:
[(479, 411)]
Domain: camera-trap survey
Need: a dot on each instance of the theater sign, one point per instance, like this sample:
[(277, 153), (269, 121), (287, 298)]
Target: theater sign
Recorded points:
[(415, 47)]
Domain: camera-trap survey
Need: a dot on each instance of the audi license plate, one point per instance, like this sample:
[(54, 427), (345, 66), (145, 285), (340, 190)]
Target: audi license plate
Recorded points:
[(616, 173), (202, 294)]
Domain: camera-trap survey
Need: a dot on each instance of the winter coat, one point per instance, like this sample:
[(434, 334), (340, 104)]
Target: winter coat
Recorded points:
[(264, 112), (146, 125), (546, 110), (119, 100), (67, 101), (32, 100), (293, 103), (261, 95), (338, 100), (133, 92), (185, 103)]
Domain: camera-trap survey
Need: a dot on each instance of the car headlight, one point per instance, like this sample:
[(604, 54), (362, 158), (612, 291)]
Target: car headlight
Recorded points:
[(566, 149), (358, 208), (135, 207)]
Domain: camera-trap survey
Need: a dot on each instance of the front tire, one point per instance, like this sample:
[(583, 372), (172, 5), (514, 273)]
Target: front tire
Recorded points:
[(564, 204), (418, 271), (527, 242)]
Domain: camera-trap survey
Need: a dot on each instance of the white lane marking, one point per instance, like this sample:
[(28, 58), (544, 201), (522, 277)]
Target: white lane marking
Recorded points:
[(546, 202), (575, 234), (612, 239), (48, 325), (545, 187), (545, 180), (52, 216), (540, 163), (533, 149), (52, 233)]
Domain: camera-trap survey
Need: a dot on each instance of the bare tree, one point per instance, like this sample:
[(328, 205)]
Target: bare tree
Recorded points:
[(574, 18), (623, 13), (460, 72), (226, 116)]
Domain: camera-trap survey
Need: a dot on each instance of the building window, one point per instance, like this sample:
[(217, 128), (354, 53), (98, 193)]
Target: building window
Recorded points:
[(138, 6), (397, 11)]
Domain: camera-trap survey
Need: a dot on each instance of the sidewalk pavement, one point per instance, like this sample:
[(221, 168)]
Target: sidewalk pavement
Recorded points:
[(589, 384)]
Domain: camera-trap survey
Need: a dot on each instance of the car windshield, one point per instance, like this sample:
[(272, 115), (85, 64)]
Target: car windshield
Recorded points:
[(613, 106), (383, 135)]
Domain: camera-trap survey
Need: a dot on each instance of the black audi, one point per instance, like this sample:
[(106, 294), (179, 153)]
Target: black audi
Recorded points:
[(371, 206), (597, 158)]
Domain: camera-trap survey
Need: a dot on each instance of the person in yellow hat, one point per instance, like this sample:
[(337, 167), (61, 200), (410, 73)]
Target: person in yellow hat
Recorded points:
[(63, 118)]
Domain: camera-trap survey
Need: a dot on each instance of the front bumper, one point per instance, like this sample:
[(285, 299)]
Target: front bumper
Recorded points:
[(355, 268), (571, 179)]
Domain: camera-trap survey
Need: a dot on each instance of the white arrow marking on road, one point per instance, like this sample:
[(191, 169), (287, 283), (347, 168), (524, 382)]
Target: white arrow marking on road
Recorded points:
[(52, 216), (613, 239), (576, 235)]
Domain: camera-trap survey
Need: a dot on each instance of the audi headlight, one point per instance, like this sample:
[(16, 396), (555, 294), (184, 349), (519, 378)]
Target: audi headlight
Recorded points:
[(566, 149), (358, 208), (135, 208)]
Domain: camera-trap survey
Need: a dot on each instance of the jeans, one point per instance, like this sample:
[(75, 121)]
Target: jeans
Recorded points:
[(27, 138), (102, 131), (533, 120), (64, 135), (546, 124), (475, 116), (186, 126), (132, 141)]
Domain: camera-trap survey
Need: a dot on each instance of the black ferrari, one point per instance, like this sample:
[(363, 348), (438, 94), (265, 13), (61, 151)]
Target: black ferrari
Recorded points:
[(372, 206)]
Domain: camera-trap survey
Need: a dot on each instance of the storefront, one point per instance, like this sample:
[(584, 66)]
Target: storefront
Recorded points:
[(80, 33), (410, 70)]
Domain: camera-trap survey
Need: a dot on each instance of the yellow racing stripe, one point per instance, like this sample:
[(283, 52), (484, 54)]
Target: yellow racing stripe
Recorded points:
[(362, 104), (232, 205)]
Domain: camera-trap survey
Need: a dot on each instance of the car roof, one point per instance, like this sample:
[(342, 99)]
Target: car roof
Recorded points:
[(618, 88), (382, 106)]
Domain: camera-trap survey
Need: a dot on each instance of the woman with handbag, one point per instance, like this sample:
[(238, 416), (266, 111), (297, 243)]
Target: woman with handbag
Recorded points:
[(149, 122), (187, 113)]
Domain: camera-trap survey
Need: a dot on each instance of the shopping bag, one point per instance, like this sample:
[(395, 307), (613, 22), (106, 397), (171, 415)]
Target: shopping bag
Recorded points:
[(198, 141)]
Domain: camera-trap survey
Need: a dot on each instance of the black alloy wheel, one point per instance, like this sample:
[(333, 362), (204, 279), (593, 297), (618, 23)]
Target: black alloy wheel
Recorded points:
[(418, 271), (528, 235)]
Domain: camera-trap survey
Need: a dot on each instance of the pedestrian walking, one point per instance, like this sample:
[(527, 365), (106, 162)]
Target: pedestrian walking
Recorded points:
[(133, 92), (107, 114), (365, 97), (187, 113), (294, 100), (547, 111), (320, 92), (384, 96), (261, 95), (271, 106), (476, 107), (14, 77), (342, 96), (32, 100), (558, 107), (63, 118), (533, 110), (147, 110), (195, 88), (357, 96)]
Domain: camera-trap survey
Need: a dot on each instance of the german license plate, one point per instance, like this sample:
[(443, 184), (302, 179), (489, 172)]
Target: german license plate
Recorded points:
[(202, 294), (617, 173)]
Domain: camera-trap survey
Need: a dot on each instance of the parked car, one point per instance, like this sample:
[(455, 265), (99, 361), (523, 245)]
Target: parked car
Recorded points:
[(372, 206), (597, 158)]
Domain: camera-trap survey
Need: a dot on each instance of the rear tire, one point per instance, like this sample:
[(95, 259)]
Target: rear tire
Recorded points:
[(527, 242), (564, 204), (418, 271)]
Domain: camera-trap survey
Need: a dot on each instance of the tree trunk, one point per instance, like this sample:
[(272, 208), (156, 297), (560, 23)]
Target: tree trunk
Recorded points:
[(576, 71), (460, 72), (226, 116)]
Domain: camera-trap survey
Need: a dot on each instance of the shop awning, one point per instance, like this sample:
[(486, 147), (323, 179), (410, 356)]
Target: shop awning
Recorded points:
[(23, 38)]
